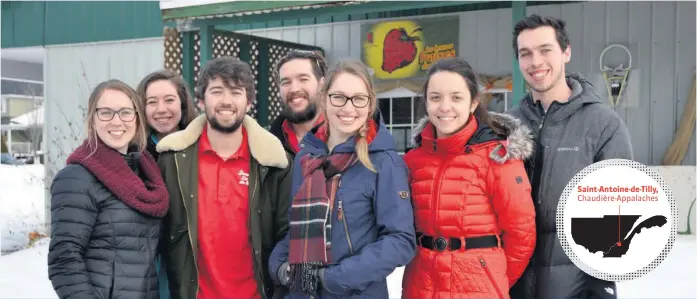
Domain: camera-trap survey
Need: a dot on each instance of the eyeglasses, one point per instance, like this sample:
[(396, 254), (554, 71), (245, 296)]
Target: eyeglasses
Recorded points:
[(340, 100), (107, 114)]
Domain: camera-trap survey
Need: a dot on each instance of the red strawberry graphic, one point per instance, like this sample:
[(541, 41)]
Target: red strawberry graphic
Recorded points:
[(399, 49)]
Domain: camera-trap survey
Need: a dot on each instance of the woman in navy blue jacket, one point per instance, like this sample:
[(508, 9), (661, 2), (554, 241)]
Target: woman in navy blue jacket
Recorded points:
[(351, 219)]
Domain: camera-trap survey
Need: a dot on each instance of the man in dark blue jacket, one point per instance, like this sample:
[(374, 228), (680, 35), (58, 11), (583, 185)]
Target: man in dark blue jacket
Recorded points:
[(573, 128)]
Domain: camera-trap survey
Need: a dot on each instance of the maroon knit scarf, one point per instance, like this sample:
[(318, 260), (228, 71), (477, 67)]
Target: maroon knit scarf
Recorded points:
[(147, 196), (310, 217)]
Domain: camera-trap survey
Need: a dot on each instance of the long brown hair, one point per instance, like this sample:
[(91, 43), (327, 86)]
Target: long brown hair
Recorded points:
[(183, 91), (358, 69), (462, 68), (140, 139)]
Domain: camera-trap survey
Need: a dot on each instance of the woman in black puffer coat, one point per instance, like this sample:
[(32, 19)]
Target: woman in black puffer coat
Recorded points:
[(107, 205)]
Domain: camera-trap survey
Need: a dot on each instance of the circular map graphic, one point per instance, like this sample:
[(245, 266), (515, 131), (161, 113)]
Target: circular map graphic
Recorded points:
[(617, 220)]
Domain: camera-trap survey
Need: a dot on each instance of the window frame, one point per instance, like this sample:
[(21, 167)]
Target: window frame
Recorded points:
[(23, 92), (391, 126)]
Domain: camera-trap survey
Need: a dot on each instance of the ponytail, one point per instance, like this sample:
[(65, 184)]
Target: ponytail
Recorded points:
[(362, 148)]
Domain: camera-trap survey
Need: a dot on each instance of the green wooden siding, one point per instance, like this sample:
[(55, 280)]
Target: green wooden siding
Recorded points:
[(27, 23)]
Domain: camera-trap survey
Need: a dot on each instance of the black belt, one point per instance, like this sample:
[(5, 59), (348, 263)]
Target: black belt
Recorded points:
[(441, 243)]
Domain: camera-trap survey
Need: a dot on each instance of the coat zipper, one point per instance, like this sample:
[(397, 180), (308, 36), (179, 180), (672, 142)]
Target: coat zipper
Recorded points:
[(188, 225), (434, 190), (251, 201), (342, 218), (537, 173), (434, 214), (491, 277), (539, 157), (113, 278)]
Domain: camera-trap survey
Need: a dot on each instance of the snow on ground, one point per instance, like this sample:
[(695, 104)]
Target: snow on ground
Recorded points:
[(22, 211), (22, 202), (28, 277), (674, 278)]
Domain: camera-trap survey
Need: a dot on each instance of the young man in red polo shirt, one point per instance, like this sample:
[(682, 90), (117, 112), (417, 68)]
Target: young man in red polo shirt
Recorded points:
[(229, 182), (300, 75)]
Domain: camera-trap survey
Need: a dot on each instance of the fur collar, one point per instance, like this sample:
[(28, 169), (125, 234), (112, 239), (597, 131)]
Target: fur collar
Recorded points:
[(518, 145), (264, 146)]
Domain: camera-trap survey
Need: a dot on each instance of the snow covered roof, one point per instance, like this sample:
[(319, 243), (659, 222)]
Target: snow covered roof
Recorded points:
[(34, 117)]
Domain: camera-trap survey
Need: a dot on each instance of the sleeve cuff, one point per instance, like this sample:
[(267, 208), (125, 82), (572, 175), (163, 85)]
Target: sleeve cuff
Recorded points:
[(325, 284), (281, 275)]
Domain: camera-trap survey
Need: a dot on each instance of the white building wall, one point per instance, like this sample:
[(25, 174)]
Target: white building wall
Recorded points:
[(72, 71), (663, 56), (339, 40)]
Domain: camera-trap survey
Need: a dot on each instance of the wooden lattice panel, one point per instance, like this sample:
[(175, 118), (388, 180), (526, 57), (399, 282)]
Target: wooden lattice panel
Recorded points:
[(174, 54), (254, 65), (197, 56), (276, 52), (224, 45)]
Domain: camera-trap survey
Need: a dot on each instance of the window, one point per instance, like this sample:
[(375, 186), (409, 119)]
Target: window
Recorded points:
[(22, 87), (401, 114)]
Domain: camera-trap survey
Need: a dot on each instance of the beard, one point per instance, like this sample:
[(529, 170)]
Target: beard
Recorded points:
[(297, 117), (306, 115), (216, 125)]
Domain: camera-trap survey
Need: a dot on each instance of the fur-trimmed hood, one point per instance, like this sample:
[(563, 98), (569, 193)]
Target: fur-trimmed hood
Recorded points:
[(518, 142), (264, 146)]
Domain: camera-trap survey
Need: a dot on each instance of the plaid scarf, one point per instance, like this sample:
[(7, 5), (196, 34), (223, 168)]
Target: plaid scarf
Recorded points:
[(310, 217)]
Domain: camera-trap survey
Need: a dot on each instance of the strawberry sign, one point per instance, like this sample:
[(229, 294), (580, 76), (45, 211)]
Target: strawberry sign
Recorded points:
[(407, 48), (398, 49)]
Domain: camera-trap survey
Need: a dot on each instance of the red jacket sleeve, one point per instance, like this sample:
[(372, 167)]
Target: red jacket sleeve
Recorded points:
[(515, 212)]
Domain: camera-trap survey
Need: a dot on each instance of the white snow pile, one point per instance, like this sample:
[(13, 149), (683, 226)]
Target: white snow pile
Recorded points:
[(22, 202)]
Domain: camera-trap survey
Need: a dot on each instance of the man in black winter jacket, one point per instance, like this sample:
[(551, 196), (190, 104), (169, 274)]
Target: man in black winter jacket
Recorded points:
[(300, 75), (573, 128)]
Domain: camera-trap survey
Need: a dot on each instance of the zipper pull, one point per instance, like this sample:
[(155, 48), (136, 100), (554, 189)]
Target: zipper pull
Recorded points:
[(468, 149), (341, 211), (481, 261), (542, 122)]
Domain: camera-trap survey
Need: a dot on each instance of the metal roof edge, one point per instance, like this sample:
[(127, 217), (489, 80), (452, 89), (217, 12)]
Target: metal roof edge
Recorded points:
[(242, 8)]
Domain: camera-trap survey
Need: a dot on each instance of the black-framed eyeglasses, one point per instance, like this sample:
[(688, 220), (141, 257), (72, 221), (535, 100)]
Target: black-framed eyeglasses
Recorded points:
[(340, 100), (125, 114)]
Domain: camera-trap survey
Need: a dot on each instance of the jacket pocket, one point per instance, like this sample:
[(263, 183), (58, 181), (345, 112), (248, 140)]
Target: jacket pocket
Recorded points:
[(176, 235), (490, 276), (342, 218)]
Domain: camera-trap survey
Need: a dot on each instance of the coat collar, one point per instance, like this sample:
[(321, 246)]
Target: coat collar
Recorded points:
[(264, 146), (517, 144)]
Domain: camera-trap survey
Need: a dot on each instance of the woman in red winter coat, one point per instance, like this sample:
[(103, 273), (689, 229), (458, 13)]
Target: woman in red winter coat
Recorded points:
[(474, 216)]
